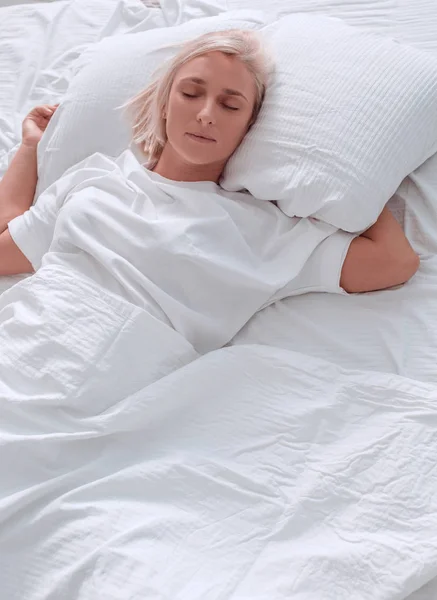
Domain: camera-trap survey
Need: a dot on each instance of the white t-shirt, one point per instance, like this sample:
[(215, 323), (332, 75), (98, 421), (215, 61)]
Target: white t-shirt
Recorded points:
[(199, 258)]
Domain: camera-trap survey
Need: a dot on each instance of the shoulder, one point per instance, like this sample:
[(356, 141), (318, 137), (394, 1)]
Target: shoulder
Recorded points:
[(100, 161)]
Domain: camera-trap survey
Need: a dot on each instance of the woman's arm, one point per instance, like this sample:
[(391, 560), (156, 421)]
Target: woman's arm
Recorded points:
[(12, 260), (380, 258), (17, 188)]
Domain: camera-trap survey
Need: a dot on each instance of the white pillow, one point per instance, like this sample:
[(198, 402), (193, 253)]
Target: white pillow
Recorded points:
[(110, 73), (349, 115)]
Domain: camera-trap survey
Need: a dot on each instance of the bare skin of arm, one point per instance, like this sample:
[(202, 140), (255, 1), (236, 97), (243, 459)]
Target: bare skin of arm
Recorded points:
[(17, 188), (379, 258)]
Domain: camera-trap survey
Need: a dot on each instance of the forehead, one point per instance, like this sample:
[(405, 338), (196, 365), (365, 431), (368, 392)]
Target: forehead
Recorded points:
[(219, 69)]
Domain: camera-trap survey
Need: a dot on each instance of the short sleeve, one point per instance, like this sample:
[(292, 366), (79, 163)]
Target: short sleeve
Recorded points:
[(33, 231), (322, 271)]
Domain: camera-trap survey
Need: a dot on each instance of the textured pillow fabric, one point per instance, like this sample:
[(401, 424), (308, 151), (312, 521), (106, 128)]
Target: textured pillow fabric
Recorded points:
[(348, 116), (108, 75)]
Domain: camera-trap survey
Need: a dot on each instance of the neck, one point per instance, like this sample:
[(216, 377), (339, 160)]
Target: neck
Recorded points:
[(172, 166)]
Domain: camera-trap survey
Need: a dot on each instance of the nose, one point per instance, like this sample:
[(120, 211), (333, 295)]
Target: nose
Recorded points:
[(206, 114)]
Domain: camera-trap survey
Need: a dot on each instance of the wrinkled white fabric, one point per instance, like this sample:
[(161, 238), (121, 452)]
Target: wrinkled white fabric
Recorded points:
[(42, 45), (252, 473), (199, 259), (67, 343)]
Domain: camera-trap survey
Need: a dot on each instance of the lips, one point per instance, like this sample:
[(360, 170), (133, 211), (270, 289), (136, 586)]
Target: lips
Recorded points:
[(202, 137)]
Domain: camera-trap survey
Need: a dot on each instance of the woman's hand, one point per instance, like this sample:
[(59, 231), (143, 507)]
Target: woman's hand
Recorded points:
[(36, 123)]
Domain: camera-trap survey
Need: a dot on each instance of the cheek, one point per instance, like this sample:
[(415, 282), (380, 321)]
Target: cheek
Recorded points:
[(238, 130), (179, 106), (176, 116)]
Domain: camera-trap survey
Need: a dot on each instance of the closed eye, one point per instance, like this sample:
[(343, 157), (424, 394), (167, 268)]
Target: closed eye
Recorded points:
[(194, 96)]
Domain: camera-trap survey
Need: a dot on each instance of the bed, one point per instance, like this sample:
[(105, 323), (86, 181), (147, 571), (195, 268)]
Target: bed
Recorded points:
[(297, 462)]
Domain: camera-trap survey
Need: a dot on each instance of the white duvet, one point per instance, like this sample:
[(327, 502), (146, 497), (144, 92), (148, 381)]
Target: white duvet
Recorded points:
[(251, 473)]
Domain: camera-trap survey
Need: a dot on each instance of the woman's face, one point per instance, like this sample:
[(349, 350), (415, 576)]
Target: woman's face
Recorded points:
[(212, 96)]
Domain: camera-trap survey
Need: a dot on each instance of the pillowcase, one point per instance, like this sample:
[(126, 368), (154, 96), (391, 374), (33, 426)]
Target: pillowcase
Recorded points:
[(348, 116), (107, 75)]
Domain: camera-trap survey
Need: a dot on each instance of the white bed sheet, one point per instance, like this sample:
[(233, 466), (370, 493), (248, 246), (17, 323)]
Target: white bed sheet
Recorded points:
[(39, 46), (392, 331)]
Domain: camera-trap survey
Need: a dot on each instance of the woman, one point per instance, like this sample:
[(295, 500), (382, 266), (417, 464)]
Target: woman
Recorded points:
[(163, 237)]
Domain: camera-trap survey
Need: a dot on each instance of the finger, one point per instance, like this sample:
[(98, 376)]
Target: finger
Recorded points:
[(48, 112), (44, 110)]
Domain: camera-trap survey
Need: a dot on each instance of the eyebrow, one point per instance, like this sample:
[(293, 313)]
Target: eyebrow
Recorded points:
[(227, 91)]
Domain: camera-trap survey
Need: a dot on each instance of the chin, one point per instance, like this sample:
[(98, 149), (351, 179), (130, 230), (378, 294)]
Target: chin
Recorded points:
[(203, 155), (195, 159)]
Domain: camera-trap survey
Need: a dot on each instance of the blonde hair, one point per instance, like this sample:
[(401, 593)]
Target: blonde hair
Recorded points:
[(146, 108)]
